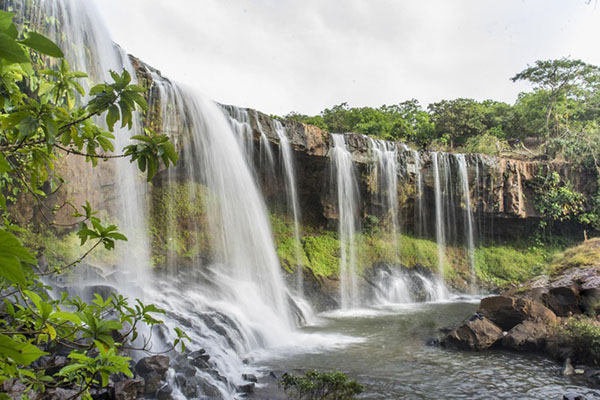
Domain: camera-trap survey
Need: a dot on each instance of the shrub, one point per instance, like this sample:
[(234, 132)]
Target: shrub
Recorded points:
[(320, 385)]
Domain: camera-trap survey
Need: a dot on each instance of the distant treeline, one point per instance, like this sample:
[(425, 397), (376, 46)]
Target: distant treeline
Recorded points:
[(562, 111)]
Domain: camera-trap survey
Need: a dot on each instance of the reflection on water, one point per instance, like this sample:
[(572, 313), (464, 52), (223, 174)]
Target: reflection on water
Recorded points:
[(393, 362)]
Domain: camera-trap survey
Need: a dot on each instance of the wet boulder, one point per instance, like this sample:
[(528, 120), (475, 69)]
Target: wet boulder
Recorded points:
[(158, 364), (154, 371), (563, 300), (507, 312), (476, 333), (527, 336), (129, 389)]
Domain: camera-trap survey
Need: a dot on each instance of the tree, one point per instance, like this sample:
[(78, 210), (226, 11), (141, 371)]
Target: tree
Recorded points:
[(562, 83), (456, 120), (42, 119)]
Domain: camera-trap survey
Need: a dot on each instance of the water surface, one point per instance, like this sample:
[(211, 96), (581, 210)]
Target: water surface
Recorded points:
[(393, 362)]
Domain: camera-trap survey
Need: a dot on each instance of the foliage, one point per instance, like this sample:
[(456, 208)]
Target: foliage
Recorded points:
[(320, 385), (566, 85), (555, 200), (486, 144), (41, 116), (583, 335)]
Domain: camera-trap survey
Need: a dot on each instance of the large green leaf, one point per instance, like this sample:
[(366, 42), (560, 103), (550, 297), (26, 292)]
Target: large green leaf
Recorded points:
[(42, 44), (11, 51), (10, 268), (5, 20), (9, 244), (21, 353), (4, 165)]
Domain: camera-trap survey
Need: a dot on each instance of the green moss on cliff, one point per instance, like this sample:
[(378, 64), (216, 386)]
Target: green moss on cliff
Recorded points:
[(178, 223), (497, 264)]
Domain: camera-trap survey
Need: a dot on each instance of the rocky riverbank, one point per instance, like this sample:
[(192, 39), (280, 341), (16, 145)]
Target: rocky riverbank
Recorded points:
[(554, 315)]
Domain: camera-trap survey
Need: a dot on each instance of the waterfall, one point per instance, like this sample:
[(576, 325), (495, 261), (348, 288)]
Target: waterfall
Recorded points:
[(267, 162), (74, 26), (419, 197), (386, 179), (240, 290), (240, 123), (291, 196), (344, 179), (235, 301), (440, 234), (468, 215)]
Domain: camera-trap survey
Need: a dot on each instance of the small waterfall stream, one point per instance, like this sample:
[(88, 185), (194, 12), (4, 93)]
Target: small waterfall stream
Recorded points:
[(468, 215), (289, 173), (386, 177), (343, 178)]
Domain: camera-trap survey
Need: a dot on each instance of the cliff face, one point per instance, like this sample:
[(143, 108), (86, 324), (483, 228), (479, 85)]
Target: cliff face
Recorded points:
[(502, 189)]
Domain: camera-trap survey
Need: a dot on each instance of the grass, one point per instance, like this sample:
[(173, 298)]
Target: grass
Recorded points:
[(586, 254), (504, 265), (497, 264)]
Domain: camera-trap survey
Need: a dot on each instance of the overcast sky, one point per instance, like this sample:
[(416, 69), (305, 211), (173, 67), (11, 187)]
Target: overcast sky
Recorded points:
[(305, 55)]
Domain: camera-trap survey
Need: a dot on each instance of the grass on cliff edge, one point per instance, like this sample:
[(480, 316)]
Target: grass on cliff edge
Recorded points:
[(586, 254)]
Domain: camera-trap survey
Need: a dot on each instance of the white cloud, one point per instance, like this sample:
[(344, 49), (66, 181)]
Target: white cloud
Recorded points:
[(283, 55)]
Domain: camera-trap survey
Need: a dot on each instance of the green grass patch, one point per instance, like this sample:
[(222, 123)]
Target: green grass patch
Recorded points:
[(505, 265), (586, 254)]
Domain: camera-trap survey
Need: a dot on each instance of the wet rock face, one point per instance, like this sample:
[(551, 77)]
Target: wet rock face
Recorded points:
[(477, 333), (527, 336), (507, 312)]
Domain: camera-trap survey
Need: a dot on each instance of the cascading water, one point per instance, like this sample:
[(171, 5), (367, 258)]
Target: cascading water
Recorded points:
[(74, 26), (386, 178), (344, 179), (267, 161), (468, 215), (240, 123), (237, 301), (289, 173), (420, 198), (440, 234)]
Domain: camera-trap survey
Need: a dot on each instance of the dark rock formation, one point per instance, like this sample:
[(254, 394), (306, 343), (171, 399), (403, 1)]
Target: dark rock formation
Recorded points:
[(507, 312), (477, 333), (527, 336)]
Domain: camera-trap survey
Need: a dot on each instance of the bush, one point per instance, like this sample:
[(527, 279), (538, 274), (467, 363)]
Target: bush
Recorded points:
[(320, 385), (583, 334)]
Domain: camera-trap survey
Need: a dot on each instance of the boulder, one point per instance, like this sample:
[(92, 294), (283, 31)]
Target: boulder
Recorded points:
[(477, 333), (563, 300), (153, 364), (507, 312), (246, 389), (164, 393), (250, 378), (527, 336), (128, 389)]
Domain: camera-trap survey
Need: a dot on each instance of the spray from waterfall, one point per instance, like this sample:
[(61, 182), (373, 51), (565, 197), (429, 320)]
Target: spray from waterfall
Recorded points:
[(344, 179)]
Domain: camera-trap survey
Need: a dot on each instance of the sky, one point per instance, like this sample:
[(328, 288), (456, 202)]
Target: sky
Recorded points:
[(279, 56)]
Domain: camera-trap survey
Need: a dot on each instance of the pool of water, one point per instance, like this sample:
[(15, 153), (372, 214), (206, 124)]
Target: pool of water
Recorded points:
[(389, 356)]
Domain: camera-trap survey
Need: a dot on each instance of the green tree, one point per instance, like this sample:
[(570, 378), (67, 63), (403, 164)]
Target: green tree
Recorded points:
[(41, 120), (563, 83), (456, 120)]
